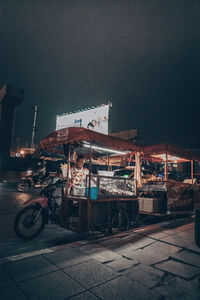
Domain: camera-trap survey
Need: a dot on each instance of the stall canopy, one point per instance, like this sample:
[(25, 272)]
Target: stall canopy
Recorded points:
[(174, 153), (73, 135)]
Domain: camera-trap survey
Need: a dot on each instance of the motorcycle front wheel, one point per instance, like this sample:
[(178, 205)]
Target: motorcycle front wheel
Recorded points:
[(29, 222)]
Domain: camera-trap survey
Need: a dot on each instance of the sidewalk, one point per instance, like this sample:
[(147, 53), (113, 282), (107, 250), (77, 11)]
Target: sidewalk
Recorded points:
[(160, 261)]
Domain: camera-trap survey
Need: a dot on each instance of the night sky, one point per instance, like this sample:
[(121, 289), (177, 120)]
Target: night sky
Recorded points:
[(142, 55)]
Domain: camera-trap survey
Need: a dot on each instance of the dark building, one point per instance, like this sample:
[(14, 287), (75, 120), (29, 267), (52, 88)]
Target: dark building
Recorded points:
[(131, 134), (10, 97)]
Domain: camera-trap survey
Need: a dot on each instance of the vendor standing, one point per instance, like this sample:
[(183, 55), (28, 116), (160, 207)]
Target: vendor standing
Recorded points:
[(78, 172), (77, 178)]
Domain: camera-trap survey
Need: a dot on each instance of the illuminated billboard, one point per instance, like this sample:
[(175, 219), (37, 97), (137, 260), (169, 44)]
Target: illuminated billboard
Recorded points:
[(94, 119)]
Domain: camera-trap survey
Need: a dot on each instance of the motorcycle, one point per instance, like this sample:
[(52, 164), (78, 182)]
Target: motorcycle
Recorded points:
[(33, 181), (31, 220)]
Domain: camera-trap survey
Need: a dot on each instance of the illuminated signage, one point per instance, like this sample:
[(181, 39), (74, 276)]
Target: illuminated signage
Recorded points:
[(94, 119)]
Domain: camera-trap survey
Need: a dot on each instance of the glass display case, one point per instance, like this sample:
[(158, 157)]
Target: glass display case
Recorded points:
[(156, 186), (112, 186)]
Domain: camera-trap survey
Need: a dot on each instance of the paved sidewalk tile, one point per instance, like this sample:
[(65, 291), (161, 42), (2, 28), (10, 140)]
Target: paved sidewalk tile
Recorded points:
[(91, 273), (121, 288), (5, 279), (68, 257), (121, 264), (145, 275), (137, 242), (175, 289), (92, 248), (192, 288), (188, 257), (53, 286), (11, 293), (144, 256), (115, 243), (185, 227), (29, 267), (104, 256), (165, 229), (153, 253), (193, 247), (137, 237), (180, 269), (85, 296), (157, 234), (161, 249), (183, 239)]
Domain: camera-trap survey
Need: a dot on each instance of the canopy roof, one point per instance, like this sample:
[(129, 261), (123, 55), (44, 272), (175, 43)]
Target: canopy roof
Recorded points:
[(174, 153), (73, 135)]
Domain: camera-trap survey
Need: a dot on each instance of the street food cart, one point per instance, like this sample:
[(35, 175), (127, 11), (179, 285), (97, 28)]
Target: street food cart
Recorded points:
[(105, 202), (162, 195)]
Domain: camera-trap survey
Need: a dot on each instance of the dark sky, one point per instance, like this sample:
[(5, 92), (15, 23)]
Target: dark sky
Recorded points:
[(143, 55)]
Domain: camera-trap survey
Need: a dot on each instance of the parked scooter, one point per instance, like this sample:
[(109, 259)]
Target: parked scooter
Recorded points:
[(31, 220), (35, 179)]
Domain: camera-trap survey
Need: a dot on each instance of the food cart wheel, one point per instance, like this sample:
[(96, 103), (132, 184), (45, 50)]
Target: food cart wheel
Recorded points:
[(119, 221), (197, 227)]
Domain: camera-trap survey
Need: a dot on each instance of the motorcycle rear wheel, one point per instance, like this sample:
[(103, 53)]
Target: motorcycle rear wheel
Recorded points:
[(25, 225), (22, 186)]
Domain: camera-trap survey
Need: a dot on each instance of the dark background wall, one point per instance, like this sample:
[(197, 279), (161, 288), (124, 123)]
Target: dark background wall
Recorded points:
[(10, 97)]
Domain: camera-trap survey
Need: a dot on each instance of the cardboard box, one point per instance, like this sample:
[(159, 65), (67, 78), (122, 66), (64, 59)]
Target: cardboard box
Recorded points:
[(154, 205)]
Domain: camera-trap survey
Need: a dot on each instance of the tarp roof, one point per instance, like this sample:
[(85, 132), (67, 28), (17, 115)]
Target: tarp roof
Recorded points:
[(170, 150), (78, 134)]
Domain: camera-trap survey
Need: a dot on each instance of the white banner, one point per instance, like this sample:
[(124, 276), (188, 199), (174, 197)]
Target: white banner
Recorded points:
[(94, 119)]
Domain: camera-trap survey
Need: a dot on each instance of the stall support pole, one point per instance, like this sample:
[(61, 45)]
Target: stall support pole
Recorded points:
[(68, 166), (192, 171), (109, 167), (166, 168), (89, 190), (137, 191), (64, 203)]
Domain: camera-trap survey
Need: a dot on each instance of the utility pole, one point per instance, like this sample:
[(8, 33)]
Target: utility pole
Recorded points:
[(34, 127)]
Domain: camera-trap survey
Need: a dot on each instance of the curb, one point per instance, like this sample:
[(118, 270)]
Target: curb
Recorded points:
[(41, 251)]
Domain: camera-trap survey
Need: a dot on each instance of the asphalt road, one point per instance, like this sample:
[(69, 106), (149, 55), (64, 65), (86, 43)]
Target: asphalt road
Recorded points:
[(11, 201)]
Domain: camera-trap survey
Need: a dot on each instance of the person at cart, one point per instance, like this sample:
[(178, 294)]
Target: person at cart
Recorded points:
[(77, 178), (78, 174)]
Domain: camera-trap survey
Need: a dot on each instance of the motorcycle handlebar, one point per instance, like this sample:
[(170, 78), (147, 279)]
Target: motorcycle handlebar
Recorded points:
[(53, 185)]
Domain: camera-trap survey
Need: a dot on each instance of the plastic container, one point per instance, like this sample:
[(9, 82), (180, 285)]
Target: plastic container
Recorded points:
[(78, 191), (93, 192)]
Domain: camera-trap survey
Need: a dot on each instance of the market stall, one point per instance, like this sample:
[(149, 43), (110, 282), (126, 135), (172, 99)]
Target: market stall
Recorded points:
[(160, 194), (104, 200)]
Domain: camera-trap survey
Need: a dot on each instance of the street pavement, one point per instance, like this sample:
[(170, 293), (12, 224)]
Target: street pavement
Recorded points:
[(11, 201), (160, 261)]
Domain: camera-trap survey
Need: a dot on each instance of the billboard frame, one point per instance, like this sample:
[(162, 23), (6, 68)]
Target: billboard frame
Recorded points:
[(109, 104)]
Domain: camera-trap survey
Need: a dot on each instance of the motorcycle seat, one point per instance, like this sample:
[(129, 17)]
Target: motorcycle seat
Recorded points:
[(49, 189)]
